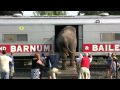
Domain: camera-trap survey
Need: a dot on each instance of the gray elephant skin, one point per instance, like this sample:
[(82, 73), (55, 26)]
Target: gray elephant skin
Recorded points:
[(66, 43)]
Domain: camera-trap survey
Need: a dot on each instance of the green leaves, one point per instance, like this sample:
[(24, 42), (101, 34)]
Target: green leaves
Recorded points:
[(49, 13), (98, 12), (9, 12)]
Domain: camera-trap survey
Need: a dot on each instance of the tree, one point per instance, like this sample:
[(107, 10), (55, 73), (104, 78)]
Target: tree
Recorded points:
[(114, 12), (10, 12), (90, 12), (98, 12), (49, 13)]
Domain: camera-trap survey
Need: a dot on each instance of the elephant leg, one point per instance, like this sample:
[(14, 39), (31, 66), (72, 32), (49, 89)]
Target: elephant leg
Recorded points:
[(73, 64), (63, 64), (72, 60), (64, 61)]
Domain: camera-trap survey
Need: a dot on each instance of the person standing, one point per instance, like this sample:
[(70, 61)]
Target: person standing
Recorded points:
[(114, 66), (11, 66), (54, 64), (84, 70), (108, 64), (4, 65), (36, 61), (78, 61)]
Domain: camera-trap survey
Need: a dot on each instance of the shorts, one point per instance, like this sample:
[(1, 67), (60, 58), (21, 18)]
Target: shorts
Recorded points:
[(84, 73), (35, 73)]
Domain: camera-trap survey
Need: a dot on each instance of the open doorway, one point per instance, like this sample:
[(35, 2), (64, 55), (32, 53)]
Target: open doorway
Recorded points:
[(58, 28)]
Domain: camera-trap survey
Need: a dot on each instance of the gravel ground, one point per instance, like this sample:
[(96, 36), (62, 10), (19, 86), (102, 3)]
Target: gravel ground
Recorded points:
[(66, 75), (94, 75), (97, 72)]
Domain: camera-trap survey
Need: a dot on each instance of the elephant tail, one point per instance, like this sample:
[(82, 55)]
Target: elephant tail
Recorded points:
[(69, 50), (68, 47)]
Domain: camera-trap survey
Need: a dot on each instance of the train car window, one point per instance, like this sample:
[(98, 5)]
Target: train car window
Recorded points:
[(107, 37), (117, 36), (15, 37), (22, 37), (9, 38), (110, 36)]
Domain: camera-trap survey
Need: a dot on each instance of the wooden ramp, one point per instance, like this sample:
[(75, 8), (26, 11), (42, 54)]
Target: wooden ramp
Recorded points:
[(69, 73)]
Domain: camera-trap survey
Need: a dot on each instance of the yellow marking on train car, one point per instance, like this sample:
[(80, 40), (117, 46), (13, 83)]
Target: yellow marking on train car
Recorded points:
[(21, 28)]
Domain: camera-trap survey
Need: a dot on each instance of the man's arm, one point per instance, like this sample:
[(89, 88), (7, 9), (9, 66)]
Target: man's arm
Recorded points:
[(10, 59), (39, 60), (90, 59)]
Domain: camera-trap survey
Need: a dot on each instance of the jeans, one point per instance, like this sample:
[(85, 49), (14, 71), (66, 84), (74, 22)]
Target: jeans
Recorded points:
[(4, 75), (11, 71)]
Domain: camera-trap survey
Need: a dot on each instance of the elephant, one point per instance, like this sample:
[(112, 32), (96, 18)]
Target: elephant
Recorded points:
[(66, 42)]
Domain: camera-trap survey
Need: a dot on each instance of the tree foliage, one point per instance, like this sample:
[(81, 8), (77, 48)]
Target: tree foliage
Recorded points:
[(98, 12), (9, 12), (114, 12), (49, 13)]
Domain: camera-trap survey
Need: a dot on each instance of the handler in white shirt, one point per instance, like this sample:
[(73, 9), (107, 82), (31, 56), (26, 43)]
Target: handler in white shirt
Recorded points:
[(78, 60), (4, 65)]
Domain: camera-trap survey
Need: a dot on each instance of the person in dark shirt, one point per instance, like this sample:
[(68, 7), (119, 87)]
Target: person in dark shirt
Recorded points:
[(53, 61), (47, 65), (108, 64), (11, 66), (36, 61)]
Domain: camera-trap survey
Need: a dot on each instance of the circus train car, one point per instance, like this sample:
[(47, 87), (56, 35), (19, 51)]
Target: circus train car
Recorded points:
[(24, 35)]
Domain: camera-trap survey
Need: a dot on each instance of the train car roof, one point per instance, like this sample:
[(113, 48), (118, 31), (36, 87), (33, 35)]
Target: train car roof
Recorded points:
[(87, 19), (65, 17)]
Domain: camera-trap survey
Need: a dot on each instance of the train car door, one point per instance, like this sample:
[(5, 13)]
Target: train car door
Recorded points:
[(80, 42)]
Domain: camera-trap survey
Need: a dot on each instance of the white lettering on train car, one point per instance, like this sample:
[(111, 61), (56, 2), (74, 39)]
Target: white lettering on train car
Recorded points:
[(117, 47), (19, 49), (29, 48), (26, 48), (32, 48), (39, 48), (110, 48), (102, 47), (94, 47), (106, 48), (46, 48), (13, 48)]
